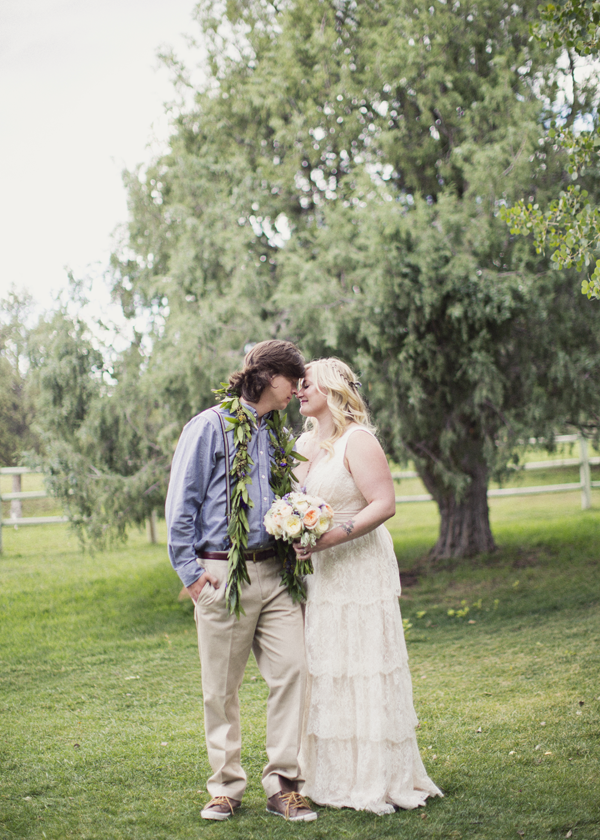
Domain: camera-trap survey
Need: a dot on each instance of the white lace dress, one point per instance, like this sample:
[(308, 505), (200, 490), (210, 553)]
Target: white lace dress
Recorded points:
[(359, 748)]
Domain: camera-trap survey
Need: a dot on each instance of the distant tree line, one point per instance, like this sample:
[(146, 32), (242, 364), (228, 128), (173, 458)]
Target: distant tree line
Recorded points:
[(17, 402)]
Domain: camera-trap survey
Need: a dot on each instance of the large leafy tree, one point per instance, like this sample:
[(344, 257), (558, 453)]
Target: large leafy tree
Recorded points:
[(338, 182), (103, 430), (460, 363), (570, 224), (571, 24), (109, 418)]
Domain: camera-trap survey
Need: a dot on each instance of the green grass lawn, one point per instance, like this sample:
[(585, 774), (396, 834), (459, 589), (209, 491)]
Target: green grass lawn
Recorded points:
[(100, 701)]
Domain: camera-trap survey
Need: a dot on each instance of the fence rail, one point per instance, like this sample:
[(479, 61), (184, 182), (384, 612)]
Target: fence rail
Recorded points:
[(17, 520), (584, 485)]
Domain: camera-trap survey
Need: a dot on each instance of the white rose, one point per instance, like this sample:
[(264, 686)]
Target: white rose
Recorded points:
[(292, 526), (322, 525), (272, 524), (269, 522)]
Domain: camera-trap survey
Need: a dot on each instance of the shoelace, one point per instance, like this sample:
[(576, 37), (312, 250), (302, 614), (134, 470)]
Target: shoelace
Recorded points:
[(293, 800), (221, 800)]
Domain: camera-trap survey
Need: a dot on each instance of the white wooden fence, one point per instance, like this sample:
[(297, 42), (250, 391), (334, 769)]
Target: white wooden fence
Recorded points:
[(584, 485), (17, 496)]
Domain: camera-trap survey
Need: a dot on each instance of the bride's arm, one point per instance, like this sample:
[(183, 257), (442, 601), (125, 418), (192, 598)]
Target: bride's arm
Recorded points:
[(369, 468)]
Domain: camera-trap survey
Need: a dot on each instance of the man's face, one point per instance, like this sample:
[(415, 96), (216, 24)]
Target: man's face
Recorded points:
[(282, 390)]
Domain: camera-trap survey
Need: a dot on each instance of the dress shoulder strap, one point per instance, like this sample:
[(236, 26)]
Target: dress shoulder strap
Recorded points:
[(355, 428), (342, 442)]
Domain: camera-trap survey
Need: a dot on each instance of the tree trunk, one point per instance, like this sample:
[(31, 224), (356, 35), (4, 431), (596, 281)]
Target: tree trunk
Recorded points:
[(151, 527), (465, 525)]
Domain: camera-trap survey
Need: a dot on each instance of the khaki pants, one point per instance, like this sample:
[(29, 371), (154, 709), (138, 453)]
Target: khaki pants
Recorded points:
[(273, 629)]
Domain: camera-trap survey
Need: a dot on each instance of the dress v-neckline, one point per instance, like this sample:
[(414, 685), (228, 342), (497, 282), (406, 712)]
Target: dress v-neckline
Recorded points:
[(311, 469), (327, 457)]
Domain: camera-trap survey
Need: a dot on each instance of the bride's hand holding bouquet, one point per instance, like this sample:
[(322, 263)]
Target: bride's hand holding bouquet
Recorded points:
[(299, 519)]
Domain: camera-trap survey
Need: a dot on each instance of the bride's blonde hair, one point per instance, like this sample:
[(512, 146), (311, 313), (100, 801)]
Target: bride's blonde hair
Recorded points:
[(336, 381)]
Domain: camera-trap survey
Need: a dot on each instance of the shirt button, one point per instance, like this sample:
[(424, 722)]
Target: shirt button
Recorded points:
[(263, 476), (261, 452), (264, 498)]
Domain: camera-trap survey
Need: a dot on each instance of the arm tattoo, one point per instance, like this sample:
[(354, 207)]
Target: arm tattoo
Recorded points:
[(348, 526)]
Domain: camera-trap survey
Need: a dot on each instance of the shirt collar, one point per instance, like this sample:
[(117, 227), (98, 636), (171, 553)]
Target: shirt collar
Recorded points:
[(251, 409), (254, 413)]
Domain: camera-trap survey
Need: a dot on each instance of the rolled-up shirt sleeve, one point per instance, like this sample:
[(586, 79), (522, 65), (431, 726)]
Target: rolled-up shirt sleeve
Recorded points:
[(191, 471)]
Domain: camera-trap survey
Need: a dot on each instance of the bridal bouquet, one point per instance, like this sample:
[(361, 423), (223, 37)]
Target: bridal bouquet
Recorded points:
[(298, 517)]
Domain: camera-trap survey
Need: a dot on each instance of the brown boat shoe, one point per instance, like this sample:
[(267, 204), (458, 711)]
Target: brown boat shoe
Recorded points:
[(220, 808), (291, 806)]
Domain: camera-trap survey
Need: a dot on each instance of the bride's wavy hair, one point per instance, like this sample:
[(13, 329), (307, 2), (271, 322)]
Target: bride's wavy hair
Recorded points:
[(337, 382), (264, 361)]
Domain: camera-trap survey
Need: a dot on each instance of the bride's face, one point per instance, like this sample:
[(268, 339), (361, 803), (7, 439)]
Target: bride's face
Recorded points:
[(312, 401)]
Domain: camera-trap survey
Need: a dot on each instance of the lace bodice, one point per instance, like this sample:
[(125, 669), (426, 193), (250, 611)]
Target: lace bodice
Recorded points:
[(338, 569), (330, 480)]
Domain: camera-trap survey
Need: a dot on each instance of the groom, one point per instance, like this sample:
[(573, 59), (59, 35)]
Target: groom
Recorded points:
[(271, 624)]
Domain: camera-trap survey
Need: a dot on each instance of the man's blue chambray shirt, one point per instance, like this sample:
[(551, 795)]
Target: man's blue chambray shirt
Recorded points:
[(196, 500)]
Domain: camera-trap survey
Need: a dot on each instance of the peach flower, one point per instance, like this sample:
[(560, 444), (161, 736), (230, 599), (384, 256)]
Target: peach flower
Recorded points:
[(311, 517)]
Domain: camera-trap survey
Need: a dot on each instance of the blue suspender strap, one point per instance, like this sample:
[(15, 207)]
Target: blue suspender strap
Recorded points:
[(227, 464)]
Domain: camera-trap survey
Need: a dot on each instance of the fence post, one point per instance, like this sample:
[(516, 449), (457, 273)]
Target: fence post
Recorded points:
[(0, 523), (16, 508), (584, 474), (152, 527)]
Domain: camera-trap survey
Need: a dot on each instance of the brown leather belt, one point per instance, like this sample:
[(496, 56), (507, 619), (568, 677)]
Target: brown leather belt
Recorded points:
[(254, 556)]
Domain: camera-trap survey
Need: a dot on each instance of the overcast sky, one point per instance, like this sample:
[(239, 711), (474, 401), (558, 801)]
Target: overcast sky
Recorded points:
[(81, 99)]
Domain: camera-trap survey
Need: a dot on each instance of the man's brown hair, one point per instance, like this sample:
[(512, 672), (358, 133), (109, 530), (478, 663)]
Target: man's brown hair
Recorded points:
[(265, 360)]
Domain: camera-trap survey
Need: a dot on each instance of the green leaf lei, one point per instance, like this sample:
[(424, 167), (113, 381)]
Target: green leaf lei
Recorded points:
[(283, 462)]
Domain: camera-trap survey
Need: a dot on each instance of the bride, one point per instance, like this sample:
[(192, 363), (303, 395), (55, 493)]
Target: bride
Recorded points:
[(359, 748)]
